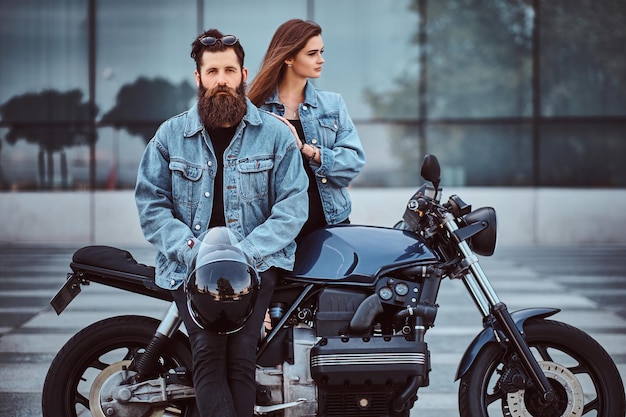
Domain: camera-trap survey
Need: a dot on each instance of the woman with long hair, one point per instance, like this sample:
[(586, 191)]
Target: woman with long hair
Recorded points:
[(331, 150)]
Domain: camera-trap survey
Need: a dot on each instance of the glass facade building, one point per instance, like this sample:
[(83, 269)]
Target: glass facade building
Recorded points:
[(522, 93)]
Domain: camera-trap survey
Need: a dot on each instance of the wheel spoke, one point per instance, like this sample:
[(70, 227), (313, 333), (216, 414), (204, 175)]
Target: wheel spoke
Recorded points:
[(591, 405), (82, 400), (578, 369), (98, 364), (491, 398), (543, 352)]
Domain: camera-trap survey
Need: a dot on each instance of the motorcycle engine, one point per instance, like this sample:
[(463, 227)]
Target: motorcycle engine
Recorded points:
[(361, 375), (293, 377), (341, 374)]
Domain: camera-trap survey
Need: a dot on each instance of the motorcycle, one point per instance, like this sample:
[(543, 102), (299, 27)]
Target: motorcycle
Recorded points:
[(347, 331)]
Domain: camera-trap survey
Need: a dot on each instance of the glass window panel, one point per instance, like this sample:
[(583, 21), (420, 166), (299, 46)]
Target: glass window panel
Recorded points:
[(479, 58), (143, 51), (483, 154), (144, 75), (27, 166), (371, 56), (580, 155), (254, 22), (583, 58), (44, 47), (470, 154), (393, 157), (43, 91), (119, 153)]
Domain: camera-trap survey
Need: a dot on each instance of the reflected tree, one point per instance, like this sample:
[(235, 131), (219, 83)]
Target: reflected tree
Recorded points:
[(143, 105), (53, 121)]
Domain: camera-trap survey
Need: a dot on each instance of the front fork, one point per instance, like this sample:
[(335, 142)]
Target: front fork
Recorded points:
[(489, 304)]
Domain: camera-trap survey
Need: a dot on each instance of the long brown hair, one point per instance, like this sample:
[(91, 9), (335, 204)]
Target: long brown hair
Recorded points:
[(288, 40)]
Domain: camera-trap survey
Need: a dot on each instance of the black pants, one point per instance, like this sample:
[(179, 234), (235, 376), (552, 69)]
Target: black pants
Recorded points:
[(224, 365)]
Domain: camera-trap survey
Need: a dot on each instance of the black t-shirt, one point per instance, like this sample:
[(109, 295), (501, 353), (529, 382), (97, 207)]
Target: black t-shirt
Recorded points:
[(316, 213), (220, 138)]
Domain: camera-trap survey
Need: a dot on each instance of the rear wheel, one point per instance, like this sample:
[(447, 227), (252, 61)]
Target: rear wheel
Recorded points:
[(583, 376), (91, 357)]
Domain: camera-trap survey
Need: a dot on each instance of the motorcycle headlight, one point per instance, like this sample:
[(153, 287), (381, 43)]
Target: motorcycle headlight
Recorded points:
[(483, 242)]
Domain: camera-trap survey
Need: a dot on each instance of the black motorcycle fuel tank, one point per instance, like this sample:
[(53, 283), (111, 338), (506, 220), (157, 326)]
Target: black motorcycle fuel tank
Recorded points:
[(354, 253)]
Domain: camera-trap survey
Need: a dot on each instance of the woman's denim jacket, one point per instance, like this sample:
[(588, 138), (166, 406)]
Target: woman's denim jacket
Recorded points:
[(265, 191), (328, 126)]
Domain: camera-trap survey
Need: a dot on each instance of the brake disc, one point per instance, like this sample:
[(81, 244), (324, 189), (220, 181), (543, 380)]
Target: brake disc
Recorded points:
[(519, 402), (99, 394)]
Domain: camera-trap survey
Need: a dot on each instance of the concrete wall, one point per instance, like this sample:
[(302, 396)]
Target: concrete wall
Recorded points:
[(525, 216)]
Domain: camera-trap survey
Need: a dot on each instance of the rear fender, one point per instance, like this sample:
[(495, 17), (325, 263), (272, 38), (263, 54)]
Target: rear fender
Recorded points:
[(487, 336)]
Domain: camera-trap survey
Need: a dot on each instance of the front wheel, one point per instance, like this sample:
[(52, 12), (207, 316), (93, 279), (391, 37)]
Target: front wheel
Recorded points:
[(90, 357), (583, 376)]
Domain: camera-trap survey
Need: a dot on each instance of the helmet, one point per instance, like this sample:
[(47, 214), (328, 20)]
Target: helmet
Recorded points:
[(223, 285)]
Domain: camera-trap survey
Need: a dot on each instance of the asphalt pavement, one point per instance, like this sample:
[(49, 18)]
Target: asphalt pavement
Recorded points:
[(587, 283)]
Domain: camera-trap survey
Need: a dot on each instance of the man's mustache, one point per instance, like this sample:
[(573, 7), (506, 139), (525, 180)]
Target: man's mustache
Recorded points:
[(220, 89)]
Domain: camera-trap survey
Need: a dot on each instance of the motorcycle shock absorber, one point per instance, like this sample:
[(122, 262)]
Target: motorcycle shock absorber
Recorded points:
[(276, 312), (147, 362)]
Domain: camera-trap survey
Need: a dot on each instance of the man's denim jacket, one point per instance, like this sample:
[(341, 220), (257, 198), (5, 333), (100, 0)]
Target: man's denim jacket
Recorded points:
[(265, 191), (328, 126)]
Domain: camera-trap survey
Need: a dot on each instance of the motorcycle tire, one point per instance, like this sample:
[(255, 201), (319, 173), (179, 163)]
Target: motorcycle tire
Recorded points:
[(584, 377), (102, 345)]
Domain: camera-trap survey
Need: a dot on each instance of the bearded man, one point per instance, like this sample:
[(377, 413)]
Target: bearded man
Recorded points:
[(222, 163)]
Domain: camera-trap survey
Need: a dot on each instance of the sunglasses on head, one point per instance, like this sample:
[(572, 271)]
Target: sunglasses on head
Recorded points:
[(228, 40)]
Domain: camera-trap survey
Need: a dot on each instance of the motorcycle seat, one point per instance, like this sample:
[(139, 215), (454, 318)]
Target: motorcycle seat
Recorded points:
[(108, 257), (117, 268)]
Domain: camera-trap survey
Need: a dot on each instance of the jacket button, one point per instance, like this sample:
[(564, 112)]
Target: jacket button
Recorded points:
[(304, 107), (172, 282), (210, 163), (324, 180), (314, 141), (207, 194), (197, 227)]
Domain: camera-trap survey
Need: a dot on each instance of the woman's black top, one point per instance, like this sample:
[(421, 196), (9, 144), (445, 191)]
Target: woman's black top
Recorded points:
[(316, 213)]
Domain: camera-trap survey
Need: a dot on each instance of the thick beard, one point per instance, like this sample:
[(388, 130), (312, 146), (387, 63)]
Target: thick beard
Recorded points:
[(221, 110)]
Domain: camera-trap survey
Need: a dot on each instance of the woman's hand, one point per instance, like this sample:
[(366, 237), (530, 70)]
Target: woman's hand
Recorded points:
[(293, 129)]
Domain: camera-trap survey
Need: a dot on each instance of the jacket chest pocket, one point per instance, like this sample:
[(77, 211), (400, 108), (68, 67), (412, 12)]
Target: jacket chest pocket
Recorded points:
[(329, 127), (186, 184), (254, 178)]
